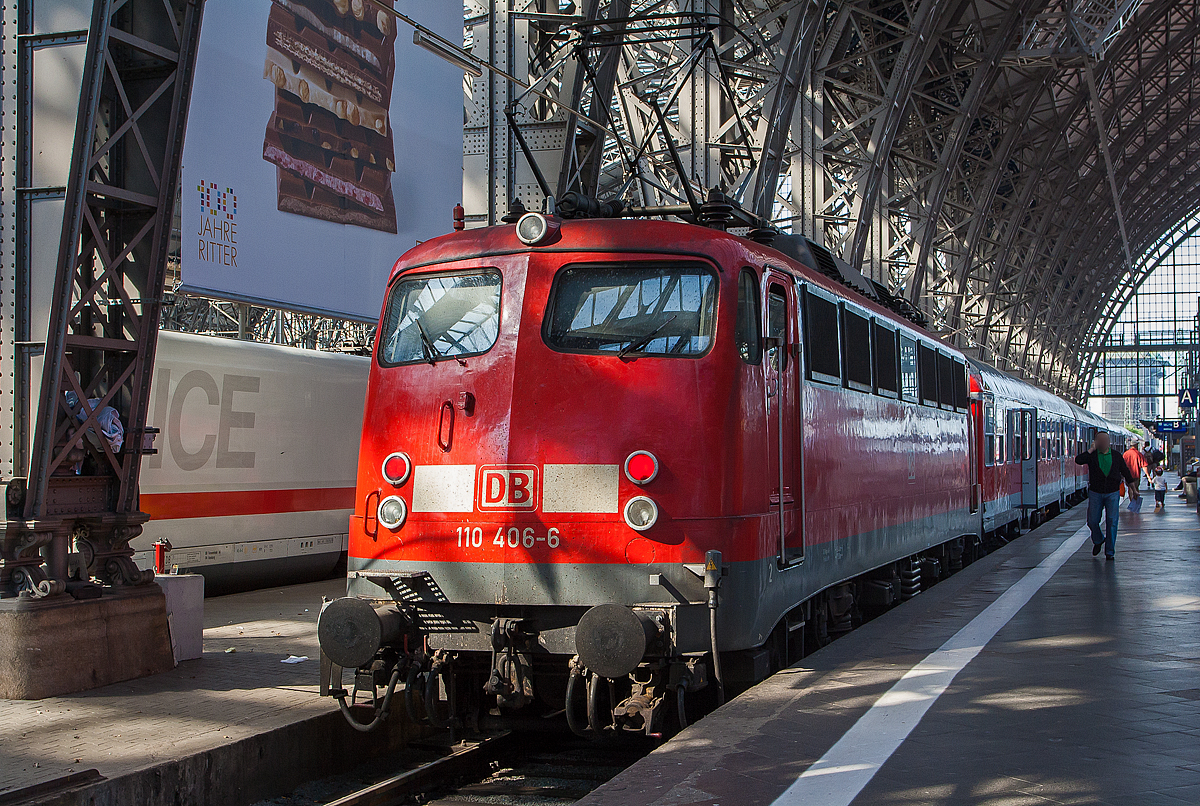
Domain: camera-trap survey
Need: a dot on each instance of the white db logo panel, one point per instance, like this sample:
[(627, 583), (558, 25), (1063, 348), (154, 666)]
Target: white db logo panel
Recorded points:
[(508, 487)]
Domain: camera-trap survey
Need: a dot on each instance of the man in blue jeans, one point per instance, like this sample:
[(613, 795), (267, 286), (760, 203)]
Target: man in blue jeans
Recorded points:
[(1106, 468)]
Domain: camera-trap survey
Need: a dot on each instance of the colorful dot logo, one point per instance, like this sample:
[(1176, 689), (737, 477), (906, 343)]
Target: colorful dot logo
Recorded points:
[(214, 201)]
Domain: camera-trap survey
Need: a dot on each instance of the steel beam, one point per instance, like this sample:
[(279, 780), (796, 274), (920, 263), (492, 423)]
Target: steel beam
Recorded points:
[(82, 491)]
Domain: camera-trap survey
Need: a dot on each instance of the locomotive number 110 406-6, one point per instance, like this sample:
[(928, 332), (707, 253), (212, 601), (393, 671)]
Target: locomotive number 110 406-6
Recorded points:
[(511, 537)]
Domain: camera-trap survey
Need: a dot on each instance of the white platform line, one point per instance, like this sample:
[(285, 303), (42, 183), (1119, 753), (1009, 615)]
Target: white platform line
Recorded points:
[(848, 766)]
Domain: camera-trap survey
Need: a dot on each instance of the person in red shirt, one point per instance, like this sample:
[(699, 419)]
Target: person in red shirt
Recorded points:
[(1135, 460)]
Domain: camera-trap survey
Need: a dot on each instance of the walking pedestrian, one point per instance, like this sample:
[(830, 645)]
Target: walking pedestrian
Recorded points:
[(1159, 483), (1106, 468), (1135, 460)]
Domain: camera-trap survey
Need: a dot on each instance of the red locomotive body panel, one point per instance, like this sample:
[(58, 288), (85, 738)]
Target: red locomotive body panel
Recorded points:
[(703, 418)]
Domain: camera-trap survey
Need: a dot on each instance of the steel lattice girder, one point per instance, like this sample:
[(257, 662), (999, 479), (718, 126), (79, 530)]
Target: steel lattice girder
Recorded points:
[(949, 145), (108, 289)]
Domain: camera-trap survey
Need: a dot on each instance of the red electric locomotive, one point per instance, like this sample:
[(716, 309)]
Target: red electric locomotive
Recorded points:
[(609, 462)]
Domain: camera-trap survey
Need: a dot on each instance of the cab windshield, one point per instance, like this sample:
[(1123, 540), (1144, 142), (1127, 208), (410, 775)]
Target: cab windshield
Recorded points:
[(649, 309), (440, 316)]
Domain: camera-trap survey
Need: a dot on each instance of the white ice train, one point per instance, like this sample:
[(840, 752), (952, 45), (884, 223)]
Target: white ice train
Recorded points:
[(253, 482)]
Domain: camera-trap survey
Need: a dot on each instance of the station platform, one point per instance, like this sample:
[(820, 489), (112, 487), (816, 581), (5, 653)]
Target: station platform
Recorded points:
[(1037, 675), (232, 727)]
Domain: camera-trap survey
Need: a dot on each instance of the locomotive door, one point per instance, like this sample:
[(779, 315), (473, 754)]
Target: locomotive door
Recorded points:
[(1029, 456), (781, 370)]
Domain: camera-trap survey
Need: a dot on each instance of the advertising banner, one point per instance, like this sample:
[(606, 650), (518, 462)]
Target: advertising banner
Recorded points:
[(321, 145)]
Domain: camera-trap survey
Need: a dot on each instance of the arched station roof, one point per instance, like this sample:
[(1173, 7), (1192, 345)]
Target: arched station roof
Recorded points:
[(984, 159)]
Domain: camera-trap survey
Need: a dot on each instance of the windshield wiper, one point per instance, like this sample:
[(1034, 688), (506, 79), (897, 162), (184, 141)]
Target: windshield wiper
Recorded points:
[(644, 340), (431, 352)]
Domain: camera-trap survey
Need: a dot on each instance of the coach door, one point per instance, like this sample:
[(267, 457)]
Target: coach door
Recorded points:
[(781, 366), (1029, 456)]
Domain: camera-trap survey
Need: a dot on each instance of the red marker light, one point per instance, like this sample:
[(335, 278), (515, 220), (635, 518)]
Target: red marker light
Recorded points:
[(396, 468), (641, 467)]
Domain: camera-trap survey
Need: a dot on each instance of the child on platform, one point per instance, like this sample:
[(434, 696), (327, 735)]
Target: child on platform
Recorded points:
[(1159, 482)]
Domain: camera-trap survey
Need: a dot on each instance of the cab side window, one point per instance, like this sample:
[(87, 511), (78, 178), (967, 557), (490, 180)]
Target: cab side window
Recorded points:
[(749, 345), (777, 322)]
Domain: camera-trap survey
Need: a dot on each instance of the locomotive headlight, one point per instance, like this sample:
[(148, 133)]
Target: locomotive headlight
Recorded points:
[(392, 512), (534, 228), (640, 513), (641, 467), (396, 468)]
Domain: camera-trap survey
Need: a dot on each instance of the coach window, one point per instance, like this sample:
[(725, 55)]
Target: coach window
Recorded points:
[(1000, 431), (748, 345), (883, 348), (1028, 446), (989, 432), (856, 338), (821, 338), (908, 369), (927, 366)]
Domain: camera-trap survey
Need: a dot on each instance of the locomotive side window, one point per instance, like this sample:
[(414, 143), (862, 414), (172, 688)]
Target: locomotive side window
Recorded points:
[(962, 394), (748, 344), (856, 338), (908, 369), (946, 371), (440, 316), (644, 308), (821, 338), (884, 349), (927, 366)]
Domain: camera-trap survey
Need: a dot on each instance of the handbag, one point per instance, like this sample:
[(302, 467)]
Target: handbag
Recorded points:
[(1135, 506)]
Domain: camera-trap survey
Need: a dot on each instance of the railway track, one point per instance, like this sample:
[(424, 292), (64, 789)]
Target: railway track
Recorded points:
[(510, 769)]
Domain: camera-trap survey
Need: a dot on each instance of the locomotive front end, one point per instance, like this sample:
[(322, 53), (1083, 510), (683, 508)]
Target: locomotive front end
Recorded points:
[(540, 482)]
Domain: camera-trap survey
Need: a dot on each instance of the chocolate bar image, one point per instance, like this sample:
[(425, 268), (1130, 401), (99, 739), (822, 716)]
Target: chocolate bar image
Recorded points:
[(364, 11), (311, 87), (304, 198), (361, 184), (332, 63), (375, 48), (313, 125), (308, 47)]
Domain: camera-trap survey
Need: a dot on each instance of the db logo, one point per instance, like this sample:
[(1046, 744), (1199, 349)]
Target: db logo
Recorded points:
[(508, 487)]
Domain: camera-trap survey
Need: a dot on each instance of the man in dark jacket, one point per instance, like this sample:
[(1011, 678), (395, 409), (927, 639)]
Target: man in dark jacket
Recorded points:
[(1106, 468)]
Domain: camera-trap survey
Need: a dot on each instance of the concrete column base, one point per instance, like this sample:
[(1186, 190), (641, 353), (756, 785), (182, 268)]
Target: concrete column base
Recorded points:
[(48, 648)]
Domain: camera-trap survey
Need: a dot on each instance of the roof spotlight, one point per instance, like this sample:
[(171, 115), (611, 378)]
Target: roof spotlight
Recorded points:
[(535, 229)]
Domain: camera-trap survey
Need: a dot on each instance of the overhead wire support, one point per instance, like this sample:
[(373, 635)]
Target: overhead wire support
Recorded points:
[(470, 58)]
